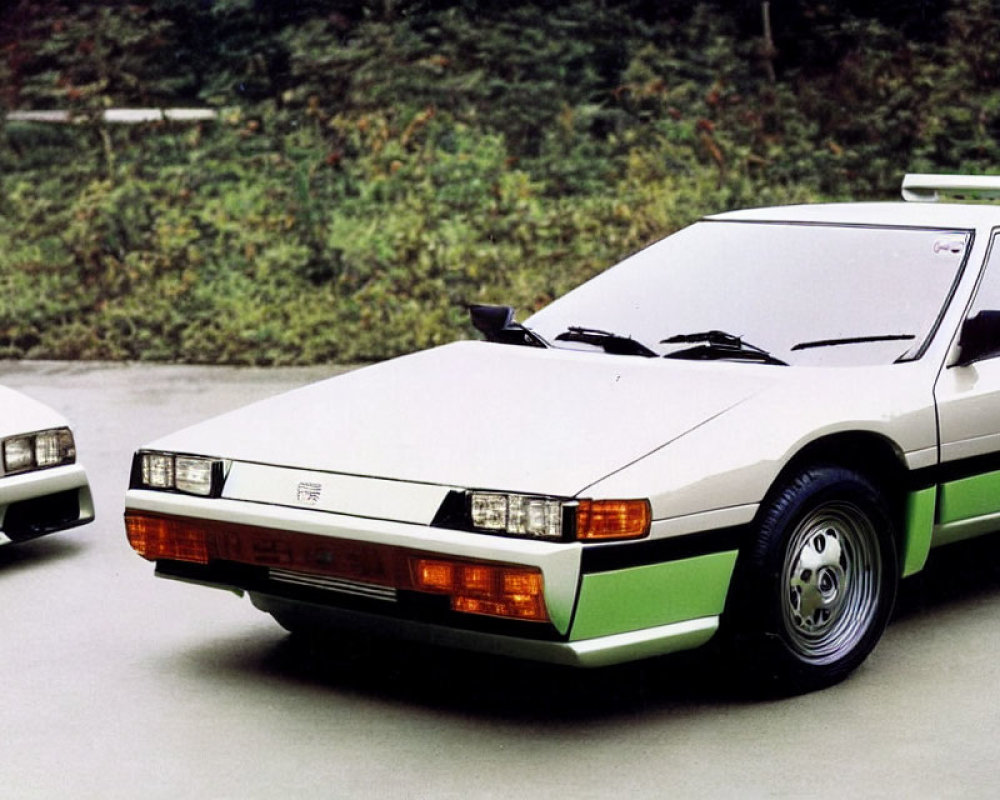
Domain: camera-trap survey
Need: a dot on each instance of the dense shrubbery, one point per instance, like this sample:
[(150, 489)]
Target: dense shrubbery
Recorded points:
[(380, 167)]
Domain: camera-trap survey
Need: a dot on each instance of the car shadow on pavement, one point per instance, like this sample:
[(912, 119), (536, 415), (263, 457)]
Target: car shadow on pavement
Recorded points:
[(502, 688), (495, 686), (37, 553), (956, 573)]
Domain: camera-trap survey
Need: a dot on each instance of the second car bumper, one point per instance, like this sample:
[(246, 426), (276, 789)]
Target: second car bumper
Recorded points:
[(36, 503)]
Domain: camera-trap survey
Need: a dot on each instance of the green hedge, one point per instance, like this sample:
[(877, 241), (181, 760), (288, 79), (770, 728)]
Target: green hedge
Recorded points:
[(376, 173)]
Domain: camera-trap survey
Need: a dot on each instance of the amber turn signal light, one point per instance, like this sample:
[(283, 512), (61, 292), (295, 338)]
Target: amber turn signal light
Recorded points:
[(497, 590), (473, 587), (154, 537), (599, 520)]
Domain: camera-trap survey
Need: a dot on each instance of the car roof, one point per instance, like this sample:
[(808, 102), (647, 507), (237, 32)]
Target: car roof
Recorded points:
[(963, 216)]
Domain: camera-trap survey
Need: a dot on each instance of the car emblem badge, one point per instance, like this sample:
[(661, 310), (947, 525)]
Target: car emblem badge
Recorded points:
[(949, 245), (308, 493)]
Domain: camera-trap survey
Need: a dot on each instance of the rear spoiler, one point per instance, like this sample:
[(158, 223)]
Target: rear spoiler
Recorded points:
[(928, 188)]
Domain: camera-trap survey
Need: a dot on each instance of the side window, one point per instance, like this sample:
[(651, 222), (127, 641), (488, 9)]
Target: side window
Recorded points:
[(980, 337), (988, 293)]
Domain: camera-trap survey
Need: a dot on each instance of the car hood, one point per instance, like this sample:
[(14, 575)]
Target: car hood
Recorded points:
[(480, 415), (20, 414)]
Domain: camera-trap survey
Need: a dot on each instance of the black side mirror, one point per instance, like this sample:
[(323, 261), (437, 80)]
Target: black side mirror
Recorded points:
[(497, 324), (979, 338)]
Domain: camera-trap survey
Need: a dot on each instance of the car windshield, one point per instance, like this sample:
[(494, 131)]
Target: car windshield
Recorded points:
[(805, 293)]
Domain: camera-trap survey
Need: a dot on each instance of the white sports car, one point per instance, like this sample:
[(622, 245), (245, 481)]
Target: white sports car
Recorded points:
[(42, 488), (756, 427)]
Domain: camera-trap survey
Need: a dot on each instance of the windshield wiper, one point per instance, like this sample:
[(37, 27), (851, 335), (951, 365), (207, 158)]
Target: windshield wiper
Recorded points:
[(611, 342), (716, 345), (497, 324), (889, 337)]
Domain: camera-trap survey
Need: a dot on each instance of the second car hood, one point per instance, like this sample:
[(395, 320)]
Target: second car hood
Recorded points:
[(21, 414), (481, 415)]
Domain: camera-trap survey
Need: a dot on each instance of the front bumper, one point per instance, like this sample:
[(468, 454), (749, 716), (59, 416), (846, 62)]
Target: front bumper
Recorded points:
[(598, 652), (558, 562), (604, 613), (429, 623), (44, 501)]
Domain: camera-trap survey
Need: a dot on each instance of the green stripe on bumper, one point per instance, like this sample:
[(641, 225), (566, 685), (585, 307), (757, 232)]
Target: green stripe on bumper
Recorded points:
[(654, 595)]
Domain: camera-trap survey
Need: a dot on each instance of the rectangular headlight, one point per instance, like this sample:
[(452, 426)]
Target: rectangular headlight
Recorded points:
[(534, 516), (17, 454), (39, 450), (54, 447), (158, 470), (193, 475), (517, 514), (173, 472), (489, 511), (556, 519)]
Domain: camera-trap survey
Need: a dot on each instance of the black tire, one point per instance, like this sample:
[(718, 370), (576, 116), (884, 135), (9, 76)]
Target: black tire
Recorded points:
[(815, 590)]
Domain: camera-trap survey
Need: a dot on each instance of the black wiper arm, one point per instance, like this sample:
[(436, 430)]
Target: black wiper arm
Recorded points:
[(611, 342), (497, 324), (715, 345), (889, 337)]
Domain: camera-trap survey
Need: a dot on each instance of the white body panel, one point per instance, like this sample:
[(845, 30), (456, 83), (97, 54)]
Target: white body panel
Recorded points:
[(643, 429), (749, 445), (559, 563), (20, 414), (373, 455), (970, 417), (375, 498), (480, 415)]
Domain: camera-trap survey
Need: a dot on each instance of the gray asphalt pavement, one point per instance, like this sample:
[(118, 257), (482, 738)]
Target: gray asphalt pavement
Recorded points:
[(117, 684)]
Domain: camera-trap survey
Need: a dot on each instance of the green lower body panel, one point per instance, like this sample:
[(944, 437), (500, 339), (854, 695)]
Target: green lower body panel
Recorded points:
[(976, 496), (920, 511), (653, 595), (968, 507)]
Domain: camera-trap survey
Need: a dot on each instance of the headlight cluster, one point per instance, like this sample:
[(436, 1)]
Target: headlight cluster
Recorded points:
[(39, 450), (517, 514), (558, 519), (181, 473)]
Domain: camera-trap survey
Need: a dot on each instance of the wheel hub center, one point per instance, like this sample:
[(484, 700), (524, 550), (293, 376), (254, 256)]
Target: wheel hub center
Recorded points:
[(816, 580), (828, 584)]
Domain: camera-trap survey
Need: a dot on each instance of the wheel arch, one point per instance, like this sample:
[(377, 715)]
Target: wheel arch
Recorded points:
[(751, 628), (870, 454)]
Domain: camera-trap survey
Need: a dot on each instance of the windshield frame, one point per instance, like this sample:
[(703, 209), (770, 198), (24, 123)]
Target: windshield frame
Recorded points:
[(922, 338)]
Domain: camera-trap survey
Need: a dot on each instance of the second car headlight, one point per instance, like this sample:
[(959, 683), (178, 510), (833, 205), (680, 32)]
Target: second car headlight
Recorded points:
[(196, 475), (39, 450)]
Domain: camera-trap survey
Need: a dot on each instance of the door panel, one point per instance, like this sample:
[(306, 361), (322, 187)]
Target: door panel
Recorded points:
[(968, 399)]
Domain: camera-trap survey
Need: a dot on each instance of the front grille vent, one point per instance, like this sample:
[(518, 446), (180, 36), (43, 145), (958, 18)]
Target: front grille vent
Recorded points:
[(326, 583)]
